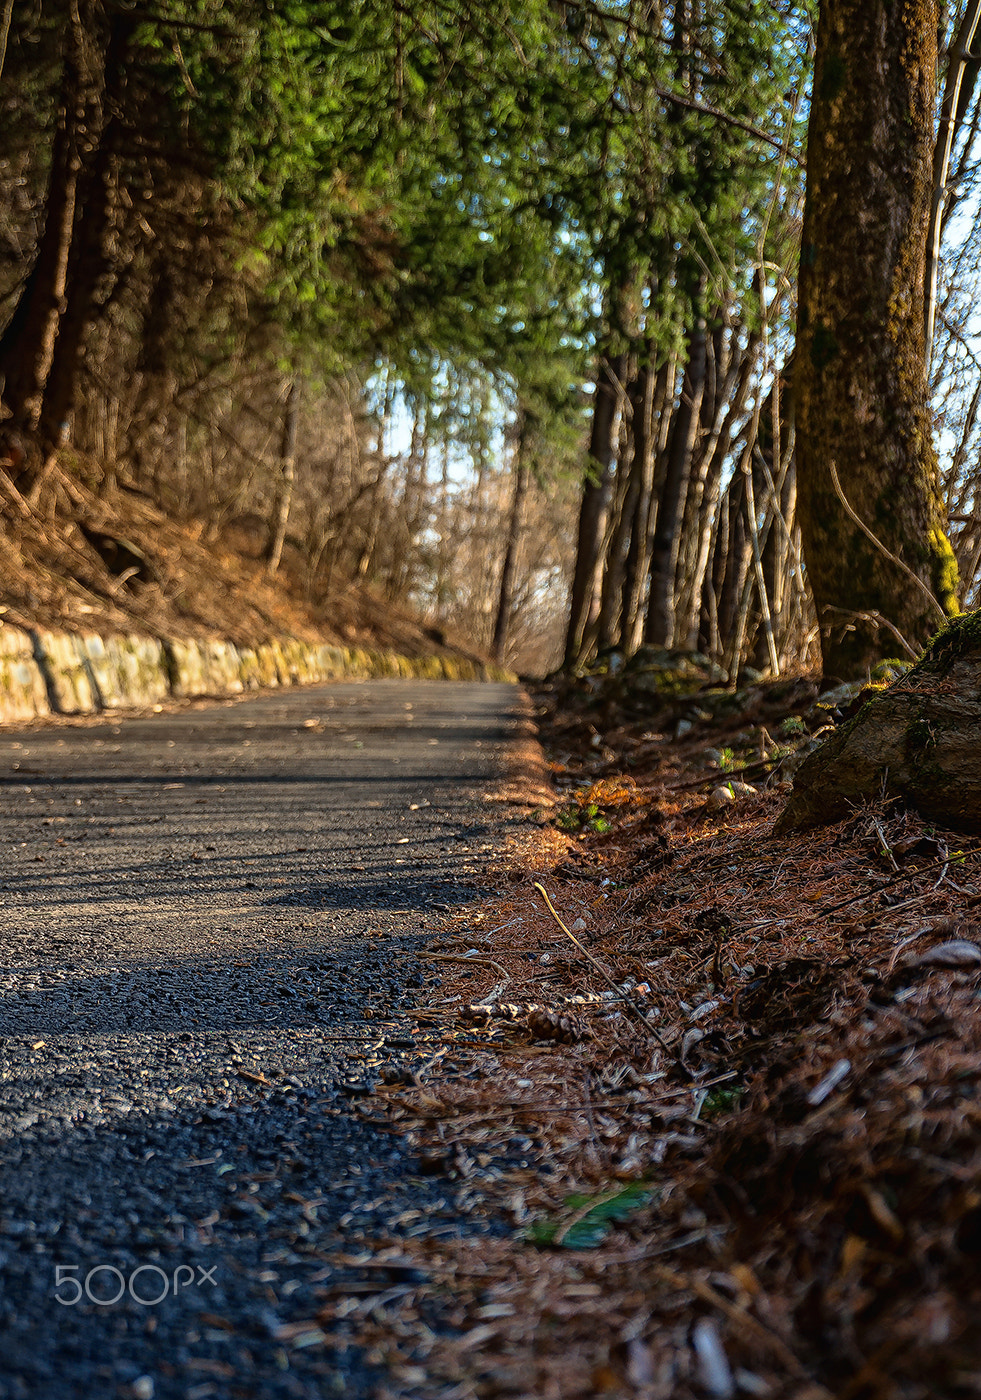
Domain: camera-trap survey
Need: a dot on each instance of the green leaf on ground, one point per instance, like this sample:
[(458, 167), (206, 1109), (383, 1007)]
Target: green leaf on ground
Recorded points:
[(586, 1220)]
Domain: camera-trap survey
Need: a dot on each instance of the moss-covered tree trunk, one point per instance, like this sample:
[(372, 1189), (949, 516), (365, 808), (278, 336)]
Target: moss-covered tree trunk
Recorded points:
[(862, 405)]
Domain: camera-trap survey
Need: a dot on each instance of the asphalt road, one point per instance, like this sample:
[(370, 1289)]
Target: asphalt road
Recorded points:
[(207, 920)]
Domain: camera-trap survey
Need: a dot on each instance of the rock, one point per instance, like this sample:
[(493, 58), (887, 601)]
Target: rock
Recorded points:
[(958, 952), (839, 695), (841, 703), (721, 705), (727, 793), (23, 693), (790, 765), (648, 658), (918, 739), (889, 671), (749, 675), (669, 672), (62, 664)]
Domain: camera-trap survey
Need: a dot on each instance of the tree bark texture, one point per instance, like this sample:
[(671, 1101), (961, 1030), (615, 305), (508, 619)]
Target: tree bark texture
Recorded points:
[(27, 345), (659, 623), (730, 372), (89, 259), (509, 566), (730, 565), (648, 394), (862, 404), (615, 541), (595, 501), (775, 444), (287, 482)]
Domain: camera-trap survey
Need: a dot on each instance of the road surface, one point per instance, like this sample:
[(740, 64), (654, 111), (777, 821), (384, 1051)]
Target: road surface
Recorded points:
[(206, 927)]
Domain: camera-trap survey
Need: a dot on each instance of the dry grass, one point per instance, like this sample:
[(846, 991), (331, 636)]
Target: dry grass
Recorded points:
[(88, 560)]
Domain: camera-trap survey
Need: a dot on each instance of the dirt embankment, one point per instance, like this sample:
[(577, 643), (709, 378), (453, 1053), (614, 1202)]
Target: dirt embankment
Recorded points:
[(118, 563)]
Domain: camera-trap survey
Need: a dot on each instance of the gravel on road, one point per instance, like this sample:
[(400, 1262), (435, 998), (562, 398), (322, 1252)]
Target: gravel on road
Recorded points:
[(207, 921)]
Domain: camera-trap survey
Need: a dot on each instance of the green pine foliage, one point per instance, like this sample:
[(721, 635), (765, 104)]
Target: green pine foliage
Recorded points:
[(425, 186)]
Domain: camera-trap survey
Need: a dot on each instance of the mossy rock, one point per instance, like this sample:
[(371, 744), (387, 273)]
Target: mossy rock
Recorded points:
[(666, 673), (55, 672), (725, 704), (674, 659), (918, 739)]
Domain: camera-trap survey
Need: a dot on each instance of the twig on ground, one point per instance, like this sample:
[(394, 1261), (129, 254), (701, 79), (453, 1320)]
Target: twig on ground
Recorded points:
[(743, 1318), (633, 1256), (479, 961), (887, 849), (629, 1001), (720, 775)]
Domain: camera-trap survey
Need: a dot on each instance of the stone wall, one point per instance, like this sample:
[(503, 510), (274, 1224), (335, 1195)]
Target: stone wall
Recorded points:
[(44, 673)]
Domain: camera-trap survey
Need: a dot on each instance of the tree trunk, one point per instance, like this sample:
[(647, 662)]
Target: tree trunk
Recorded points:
[(659, 625), (731, 395), (619, 527), (27, 345), (730, 567), (522, 478), (701, 495), (595, 502), (410, 510), (649, 389), (862, 407), (366, 556), (959, 82), (287, 468), (89, 258), (775, 442)]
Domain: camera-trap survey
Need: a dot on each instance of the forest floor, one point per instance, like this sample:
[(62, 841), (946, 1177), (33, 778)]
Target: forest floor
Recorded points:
[(737, 1091), (114, 560)]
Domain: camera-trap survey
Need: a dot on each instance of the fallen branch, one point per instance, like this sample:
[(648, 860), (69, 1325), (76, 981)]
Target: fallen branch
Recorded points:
[(723, 776), (472, 962)]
